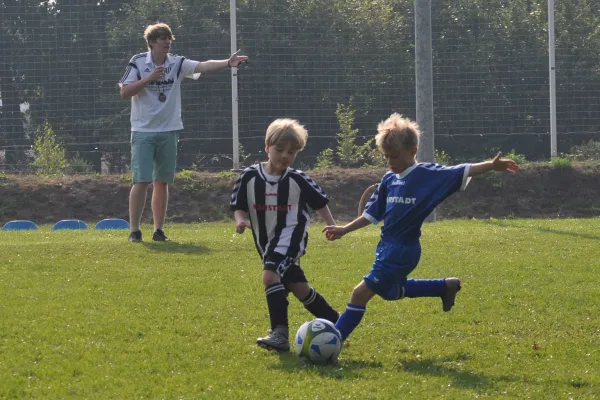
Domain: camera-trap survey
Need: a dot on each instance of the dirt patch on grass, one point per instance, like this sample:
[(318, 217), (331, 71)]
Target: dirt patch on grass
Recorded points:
[(537, 191)]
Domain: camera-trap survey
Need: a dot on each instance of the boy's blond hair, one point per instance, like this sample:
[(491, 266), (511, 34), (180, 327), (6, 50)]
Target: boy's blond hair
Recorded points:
[(397, 132), (284, 131), (158, 30)]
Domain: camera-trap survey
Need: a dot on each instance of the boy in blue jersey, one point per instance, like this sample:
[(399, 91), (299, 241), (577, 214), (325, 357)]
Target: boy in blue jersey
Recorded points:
[(407, 194)]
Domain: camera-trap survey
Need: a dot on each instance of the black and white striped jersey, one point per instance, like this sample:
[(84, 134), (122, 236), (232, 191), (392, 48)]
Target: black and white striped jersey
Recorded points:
[(278, 210)]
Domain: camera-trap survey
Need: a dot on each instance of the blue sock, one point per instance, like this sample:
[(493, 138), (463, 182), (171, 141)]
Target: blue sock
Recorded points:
[(424, 288), (350, 319)]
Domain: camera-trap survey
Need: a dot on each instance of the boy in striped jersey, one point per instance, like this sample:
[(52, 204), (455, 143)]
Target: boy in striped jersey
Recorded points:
[(278, 200), (407, 194)]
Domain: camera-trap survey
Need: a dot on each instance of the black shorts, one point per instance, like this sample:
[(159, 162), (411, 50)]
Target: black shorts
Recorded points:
[(288, 268)]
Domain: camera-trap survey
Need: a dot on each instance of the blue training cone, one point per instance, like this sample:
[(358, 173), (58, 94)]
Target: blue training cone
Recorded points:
[(71, 224), (19, 225), (112, 223)]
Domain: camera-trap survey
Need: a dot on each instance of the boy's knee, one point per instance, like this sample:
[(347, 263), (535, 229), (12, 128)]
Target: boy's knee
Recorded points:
[(270, 278), (300, 290), (361, 294), (395, 292)]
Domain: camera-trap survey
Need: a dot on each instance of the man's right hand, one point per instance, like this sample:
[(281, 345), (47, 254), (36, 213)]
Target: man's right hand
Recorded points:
[(157, 74)]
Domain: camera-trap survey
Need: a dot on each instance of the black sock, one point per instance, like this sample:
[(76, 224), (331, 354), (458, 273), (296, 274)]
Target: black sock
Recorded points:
[(319, 307), (278, 306)]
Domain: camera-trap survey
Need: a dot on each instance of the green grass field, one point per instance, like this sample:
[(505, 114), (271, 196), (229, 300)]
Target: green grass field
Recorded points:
[(87, 315)]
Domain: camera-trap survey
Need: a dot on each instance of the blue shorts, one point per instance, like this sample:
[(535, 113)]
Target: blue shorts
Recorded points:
[(393, 262), (153, 156)]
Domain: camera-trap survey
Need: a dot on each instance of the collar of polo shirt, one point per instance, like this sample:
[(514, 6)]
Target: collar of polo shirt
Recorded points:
[(149, 61)]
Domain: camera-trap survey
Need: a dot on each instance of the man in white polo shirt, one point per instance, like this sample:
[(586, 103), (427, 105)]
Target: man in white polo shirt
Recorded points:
[(153, 83)]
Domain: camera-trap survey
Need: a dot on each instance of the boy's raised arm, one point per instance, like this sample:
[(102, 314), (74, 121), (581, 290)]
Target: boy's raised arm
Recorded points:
[(497, 164)]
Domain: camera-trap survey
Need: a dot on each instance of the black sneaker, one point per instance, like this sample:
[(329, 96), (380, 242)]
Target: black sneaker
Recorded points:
[(135, 237), (159, 236)]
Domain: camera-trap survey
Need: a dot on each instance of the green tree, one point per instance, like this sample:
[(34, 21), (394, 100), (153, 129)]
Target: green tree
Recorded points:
[(349, 153), (49, 155)]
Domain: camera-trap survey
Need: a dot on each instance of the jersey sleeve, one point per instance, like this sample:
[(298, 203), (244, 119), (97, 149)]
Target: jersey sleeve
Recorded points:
[(131, 74), (375, 208), (187, 68), (450, 179), (239, 195), (315, 196)]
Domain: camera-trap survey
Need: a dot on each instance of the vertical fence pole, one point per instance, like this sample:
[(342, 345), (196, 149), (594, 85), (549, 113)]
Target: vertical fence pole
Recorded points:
[(424, 82), (552, 68), (234, 91)]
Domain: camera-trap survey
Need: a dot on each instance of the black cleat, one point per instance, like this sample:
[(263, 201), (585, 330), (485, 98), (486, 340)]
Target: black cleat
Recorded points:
[(452, 288)]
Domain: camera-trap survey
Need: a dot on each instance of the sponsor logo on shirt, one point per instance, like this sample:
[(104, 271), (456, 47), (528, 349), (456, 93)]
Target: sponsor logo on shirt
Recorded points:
[(401, 200), (272, 207), (163, 83), (396, 183)]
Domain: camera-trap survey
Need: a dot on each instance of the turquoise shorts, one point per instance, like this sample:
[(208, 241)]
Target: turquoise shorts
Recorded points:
[(153, 156)]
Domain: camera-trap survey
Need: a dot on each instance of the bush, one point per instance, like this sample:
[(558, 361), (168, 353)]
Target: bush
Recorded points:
[(518, 158), (227, 174), (561, 162), (589, 151), (185, 174), (348, 152), (325, 160), (441, 157), (79, 165), (49, 155)]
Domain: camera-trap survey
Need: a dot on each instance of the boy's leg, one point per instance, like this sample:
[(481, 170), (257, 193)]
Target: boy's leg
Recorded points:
[(424, 288), (446, 288), (355, 310), (312, 300), (393, 275), (277, 304)]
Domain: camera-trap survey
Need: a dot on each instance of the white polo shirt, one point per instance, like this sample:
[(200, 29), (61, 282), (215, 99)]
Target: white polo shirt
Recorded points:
[(148, 113)]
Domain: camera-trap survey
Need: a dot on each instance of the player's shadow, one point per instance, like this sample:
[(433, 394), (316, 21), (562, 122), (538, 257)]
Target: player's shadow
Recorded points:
[(175, 247), (442, 367), (543, 229), (341, 370)]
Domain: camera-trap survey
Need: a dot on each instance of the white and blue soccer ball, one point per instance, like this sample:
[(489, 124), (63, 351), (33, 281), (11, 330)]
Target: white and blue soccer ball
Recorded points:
[(318, 341)]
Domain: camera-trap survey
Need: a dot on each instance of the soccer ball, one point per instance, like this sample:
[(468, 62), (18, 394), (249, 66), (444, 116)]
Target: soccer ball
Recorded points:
[(318, 341)]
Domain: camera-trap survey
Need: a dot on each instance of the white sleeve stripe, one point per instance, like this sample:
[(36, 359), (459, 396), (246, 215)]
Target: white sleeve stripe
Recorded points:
[(313, 184), (370, 218), (127, 71), (466, 178), (236, 189)]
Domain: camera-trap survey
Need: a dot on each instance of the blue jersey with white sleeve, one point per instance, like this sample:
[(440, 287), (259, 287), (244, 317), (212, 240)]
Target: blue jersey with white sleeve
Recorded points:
[(403, 201)]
